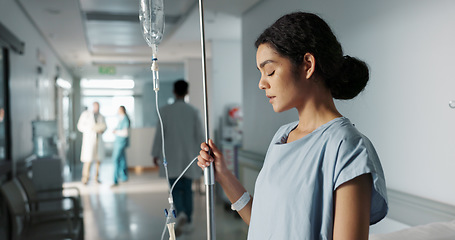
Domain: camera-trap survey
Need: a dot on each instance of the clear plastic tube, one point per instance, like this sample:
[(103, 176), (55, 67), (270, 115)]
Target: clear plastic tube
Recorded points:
[(181, 175), (156, 74), (151, 15), (162, 140)]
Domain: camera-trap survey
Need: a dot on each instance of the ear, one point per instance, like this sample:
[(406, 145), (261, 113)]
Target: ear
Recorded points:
[(309, 65)]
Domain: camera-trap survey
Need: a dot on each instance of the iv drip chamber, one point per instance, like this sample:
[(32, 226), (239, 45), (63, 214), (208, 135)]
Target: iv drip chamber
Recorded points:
[(151, 15)]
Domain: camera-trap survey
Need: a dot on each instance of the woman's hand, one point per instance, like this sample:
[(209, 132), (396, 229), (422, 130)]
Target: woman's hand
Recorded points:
[(230, 184), (205, 159)]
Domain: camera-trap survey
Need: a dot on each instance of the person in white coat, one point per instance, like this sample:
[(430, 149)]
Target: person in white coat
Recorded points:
[(92, 125), (182, 134)]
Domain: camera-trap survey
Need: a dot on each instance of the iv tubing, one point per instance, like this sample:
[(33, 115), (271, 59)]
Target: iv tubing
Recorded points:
[(169, 223), (162, 137), (165, 167), (156, 88), (181, 175), (172, 188), (209, 175)]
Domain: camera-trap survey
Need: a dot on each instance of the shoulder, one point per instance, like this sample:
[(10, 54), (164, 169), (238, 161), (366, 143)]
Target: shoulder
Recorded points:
[(86, 113), (190, 108), (187, 105), (344, 131), (179, 107), (288, 126), (166, 108), (349, 142), (284, 130)]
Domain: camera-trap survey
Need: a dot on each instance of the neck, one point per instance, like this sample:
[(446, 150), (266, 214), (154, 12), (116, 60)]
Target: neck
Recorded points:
[(316, 111)]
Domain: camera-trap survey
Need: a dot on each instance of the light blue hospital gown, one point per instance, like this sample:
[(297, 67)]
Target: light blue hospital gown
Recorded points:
[(293, 197)]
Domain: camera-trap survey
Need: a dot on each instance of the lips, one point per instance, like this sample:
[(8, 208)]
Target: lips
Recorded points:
[(270, 98)]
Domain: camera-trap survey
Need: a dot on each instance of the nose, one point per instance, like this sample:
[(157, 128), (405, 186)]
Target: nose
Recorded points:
[(263, 84)]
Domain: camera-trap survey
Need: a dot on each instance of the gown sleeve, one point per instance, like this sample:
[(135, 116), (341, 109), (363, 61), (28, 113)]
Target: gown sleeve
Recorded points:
[(356, 156)]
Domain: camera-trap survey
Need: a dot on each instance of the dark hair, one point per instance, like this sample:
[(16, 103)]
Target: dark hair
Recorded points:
[(296, 34), (126, 114), (181, 88), (123, 109)]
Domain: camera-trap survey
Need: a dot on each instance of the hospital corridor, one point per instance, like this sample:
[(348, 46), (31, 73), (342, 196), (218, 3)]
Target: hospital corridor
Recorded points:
[(227, 120)]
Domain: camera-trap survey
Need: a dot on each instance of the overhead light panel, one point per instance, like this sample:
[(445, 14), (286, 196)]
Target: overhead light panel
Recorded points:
[(63, 83), (107, 83), (107, 92)]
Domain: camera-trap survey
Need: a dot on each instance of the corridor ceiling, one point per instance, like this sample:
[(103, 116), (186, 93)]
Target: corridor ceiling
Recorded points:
[(86, 34)]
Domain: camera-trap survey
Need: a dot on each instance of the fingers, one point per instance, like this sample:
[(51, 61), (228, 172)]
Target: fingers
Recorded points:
[(204, 158), (216, 152), (213, 146), (204, 146), (204, 161), (202, 164)]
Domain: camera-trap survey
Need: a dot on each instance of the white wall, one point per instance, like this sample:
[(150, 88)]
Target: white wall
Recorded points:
[(193, 74), (29, 102), (227, 77), (409, 47)]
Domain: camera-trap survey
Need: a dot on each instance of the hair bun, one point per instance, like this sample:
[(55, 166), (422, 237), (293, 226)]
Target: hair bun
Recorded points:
[(351, 80)]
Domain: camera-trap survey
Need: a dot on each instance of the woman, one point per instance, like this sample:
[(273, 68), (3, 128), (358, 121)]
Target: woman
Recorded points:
[(321, 178), (120, 144)]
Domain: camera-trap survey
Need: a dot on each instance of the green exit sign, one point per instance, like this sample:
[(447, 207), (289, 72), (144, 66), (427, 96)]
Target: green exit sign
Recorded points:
[(107, 70)]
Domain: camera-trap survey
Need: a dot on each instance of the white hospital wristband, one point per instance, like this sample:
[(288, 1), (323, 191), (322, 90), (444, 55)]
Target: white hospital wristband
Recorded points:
[(241, 203)]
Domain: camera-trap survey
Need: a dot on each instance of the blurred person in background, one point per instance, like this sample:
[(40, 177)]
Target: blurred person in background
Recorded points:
[(92, 125), (121, 143), (182, 135)]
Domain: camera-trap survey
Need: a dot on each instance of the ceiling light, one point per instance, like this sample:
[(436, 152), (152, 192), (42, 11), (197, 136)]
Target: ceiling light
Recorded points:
[(107, 83), (107, 92), (63, 83)]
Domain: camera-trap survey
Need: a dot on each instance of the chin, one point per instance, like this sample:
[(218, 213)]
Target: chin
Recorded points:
[(280, 109)]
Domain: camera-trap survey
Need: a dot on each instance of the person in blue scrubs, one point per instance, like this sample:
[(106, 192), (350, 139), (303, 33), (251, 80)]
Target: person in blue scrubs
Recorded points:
[(321, 178), (120, 144)]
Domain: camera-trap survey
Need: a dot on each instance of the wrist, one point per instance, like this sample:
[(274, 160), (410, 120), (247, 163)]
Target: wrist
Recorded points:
[(224, 175), (241, 202)]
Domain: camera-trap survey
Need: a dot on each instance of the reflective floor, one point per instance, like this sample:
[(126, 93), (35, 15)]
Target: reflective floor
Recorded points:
[(135, 210)]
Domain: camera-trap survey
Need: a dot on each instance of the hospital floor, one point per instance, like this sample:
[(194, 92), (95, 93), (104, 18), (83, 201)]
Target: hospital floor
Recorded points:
[(134, 210)]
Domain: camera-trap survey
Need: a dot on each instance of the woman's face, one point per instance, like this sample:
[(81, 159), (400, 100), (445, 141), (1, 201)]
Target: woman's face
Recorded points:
[(278, 79)]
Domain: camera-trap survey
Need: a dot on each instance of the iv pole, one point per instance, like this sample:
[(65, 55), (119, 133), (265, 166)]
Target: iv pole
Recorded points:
[(209, 174)]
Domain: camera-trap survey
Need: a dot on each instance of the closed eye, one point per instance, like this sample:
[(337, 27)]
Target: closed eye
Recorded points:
[(271, 73)]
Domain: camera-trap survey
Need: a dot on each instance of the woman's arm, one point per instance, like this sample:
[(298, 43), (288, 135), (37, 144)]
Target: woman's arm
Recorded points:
[(352, 202), (234, 190), (121, 132), (230, 184)]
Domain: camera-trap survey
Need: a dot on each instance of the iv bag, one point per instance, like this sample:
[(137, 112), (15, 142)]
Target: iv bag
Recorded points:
[(151, 15)]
